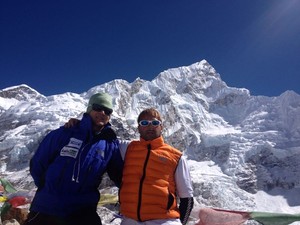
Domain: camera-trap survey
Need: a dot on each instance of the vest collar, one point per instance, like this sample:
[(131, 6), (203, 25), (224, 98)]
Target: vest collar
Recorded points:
[(155, 143)]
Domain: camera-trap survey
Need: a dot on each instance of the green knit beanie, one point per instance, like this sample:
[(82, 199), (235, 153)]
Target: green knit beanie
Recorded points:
[(102, 99)]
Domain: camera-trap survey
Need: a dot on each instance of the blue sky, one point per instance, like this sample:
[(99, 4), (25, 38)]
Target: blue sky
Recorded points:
[(70, 46)]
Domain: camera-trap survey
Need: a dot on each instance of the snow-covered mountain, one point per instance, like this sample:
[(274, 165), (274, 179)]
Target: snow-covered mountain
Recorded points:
[(243, 150)]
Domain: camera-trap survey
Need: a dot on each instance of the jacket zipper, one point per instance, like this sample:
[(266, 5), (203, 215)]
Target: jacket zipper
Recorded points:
[(142, 182), (75, 178), (85, 177)]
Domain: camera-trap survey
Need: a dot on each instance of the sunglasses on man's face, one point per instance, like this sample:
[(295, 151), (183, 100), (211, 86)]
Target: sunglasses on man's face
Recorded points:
[(100, 108), (145, 123)]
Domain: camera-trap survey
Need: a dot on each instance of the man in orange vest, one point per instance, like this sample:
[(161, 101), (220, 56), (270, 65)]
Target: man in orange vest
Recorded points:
[(155, 175)]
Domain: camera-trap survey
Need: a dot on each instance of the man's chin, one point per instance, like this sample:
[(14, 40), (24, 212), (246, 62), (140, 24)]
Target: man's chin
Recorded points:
[(150, 137), (100, 124)]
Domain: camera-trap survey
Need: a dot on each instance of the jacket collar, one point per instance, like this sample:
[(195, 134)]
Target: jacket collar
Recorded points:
[(86, 124)]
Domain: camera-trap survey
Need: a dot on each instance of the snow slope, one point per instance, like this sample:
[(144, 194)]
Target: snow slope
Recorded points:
[(243, 150)]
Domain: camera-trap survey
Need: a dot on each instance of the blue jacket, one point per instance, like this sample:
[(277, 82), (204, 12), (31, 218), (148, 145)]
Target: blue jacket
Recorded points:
[(68, 166)]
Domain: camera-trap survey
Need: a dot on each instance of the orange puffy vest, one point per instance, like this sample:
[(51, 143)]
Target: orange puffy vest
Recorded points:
[(148, 188)]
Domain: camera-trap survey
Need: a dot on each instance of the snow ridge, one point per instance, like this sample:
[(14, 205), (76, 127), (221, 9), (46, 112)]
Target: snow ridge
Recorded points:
[(238, 145)]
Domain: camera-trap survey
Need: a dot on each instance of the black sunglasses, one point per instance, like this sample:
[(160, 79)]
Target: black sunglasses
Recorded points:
[(99, 108)]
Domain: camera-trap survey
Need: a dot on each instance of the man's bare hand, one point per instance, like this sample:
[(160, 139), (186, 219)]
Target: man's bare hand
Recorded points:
[(71, 123)]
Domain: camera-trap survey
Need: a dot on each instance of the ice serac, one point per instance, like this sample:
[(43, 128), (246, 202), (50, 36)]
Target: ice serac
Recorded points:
[(237, 144)]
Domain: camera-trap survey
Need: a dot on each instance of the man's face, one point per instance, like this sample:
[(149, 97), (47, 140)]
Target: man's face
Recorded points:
[(149, 132), (99, 119)]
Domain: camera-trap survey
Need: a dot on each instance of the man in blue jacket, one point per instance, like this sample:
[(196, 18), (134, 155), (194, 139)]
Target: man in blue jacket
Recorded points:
[(67, 168)]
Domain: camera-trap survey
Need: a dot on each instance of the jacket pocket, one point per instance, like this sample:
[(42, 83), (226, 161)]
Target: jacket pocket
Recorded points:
[(171, 199)]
